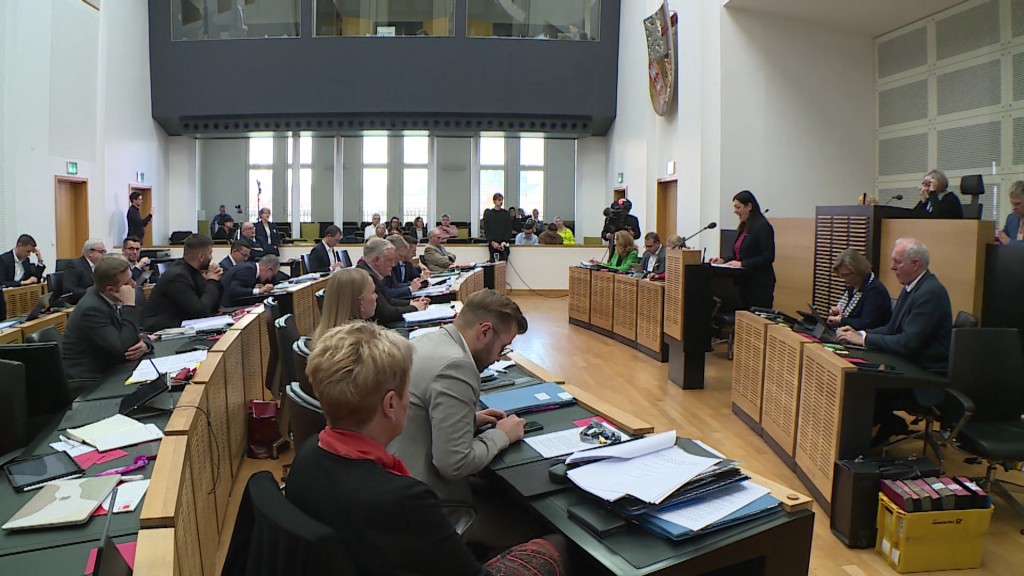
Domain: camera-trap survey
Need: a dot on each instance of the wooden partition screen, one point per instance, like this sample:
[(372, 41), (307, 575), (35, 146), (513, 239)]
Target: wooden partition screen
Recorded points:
[(650, 318), (602, 300), (624, 321), (783, 360), (675, 287), (748, 366), (817, 438), (500, 282), (21, 299), (579, 294)]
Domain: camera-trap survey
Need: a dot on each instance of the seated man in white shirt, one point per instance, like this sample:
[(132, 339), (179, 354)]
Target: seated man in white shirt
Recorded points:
[(371, 229), (527, 237)]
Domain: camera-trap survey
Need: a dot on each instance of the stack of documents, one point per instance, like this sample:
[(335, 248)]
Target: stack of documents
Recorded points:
[(147, 370), (562, 442), (433, 313), (117, 431), (725, 507), (209, 323)]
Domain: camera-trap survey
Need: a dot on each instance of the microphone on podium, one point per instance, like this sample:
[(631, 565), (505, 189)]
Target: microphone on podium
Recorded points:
[(710, 226), (896, 197)]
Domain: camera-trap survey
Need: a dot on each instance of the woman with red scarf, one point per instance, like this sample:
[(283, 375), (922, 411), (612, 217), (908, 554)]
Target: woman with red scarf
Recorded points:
[(346, 479)]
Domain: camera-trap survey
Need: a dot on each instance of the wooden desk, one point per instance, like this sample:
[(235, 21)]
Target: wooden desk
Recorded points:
[(304, 306), (579, 296), (675, 288), (748, 367), (602, 301), (625, 301), (650, 316), (10, 336), (21, 299), (57, 320), (170, 503), (780, 407)]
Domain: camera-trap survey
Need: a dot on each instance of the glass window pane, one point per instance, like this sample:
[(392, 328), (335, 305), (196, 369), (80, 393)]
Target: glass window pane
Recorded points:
[(375, 150), (375, 192), (261, 151), (531, 151), (416, 149), (491, 182), (383, 18), (492, 151), (539, 19), (305, 150), (221, 19), (531, 191), (261, 191), (414, 194), (305, 193)]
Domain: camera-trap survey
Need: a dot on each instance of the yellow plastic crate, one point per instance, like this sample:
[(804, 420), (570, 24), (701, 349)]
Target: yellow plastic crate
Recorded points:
[(923, 541)]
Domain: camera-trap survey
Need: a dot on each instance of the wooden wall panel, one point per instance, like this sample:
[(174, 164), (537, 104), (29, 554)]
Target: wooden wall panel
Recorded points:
[(783, 360), (748, 363), (794, 263), (624, 320), (602, 300), (579, 294), (817, 438)]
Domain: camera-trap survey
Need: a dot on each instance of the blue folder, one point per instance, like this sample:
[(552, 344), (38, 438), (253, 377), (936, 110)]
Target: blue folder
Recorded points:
[(528, 399), (760, 507)]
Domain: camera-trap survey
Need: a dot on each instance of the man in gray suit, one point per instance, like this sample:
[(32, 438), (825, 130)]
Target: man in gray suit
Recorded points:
[(435, 257), (653, 262), (438, 444)]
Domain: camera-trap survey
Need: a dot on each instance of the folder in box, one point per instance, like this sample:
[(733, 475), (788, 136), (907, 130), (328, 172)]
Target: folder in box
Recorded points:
[(945, 494), (899, 495), (934, 502), (962, 499), (923, 502)]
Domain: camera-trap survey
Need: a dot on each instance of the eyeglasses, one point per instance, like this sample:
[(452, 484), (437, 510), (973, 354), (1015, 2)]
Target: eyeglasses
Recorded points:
[(97, 250)]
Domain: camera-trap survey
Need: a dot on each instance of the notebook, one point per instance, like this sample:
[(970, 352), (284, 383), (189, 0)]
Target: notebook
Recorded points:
[(117, 431), (528, 398), (63, 503)]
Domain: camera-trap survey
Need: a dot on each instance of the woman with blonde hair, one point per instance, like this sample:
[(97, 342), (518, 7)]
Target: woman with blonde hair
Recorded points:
[(350, 295), (865, 302), (624, 254)]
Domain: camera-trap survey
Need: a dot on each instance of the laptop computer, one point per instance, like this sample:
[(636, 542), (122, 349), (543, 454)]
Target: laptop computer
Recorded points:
[(145, 400), (63, 503)]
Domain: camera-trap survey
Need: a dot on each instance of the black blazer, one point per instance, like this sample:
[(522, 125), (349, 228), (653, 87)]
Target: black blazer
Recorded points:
[(319, 260), (255, 248), (948, 207), (182, 294), (136, 223), (153, 276), (227, 264), (269, 245), (77, 279), (238, 283), (7, 269), (756, 284), (497, 225), (920, 328), (874, 308), (389, 310), (96, 338)]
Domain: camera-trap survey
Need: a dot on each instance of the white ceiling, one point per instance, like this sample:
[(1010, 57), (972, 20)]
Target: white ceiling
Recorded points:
[(868, 17)]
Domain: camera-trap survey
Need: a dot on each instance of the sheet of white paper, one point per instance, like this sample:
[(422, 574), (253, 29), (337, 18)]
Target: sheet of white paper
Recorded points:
[(630, 449), (433, 312), (501, 365), (559, 443), (167, 364), (129, 495), (208, 323), (650, 477), (715, 507), (74, 449)]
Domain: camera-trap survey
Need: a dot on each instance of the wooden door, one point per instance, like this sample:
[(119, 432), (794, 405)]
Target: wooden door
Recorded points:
[(619, 193), (71, 212), (145, 210), (667, 208)]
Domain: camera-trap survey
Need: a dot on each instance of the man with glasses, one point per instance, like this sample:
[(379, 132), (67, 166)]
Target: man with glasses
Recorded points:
[(239, 255), (142, 271), (78, 274), (653, 262), (439, 444)]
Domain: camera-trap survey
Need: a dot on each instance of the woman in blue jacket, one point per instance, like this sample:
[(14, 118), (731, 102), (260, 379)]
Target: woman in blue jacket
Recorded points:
[(865, 303)]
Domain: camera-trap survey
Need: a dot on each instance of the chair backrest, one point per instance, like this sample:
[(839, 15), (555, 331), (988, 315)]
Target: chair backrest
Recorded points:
[(287, 333), (48, 334), (319, 294), (271, 312), (302, 350), (55, 283), (305, 418), (63, 263), (964, 320), (972, 211), (13, 406), (986, 365), (305, 263), (272, 537), (47, 393)]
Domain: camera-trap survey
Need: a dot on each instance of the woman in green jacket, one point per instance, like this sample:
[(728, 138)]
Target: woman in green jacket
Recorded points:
[(624, 255)]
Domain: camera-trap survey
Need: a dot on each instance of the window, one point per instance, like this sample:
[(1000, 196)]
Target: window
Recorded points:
[(223, 19), (534, 19), (305, 177), (375, 177), (531, 175), (415, 177), (492, 170), (384, 18), (261, 175)]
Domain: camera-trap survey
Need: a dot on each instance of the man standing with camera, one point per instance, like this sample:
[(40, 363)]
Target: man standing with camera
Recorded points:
[(617, 217)]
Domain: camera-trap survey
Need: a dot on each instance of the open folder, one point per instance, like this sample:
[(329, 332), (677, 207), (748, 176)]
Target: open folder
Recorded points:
[(528, 398)]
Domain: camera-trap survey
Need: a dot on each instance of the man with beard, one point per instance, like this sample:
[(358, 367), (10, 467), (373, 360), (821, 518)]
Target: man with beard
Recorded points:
[(189, 289)]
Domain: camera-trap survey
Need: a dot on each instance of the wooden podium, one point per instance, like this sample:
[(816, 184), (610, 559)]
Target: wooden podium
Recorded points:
[(817, 436), (650, 314), (688, 305)]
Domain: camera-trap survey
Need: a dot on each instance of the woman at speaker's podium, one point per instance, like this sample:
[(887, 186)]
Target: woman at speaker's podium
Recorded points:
[(753, 252)]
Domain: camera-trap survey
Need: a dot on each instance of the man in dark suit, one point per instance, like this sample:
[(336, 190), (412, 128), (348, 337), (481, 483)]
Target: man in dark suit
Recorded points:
[(323, 258), (103, 330), (143, 272), (405, 275), (378, 260), (136, 223), (190, 288), (15, 269), (653, 262), (936, 199), (78, 274), (266, 233), (920, 331), (239, 255), (249, 279), (248, 236)]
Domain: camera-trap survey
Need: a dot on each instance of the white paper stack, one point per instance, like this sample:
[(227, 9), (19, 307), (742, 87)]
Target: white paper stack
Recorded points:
[(146, 371), (709, 510), (561, 443), (433, 313), (208, 323), (117, 431), (129, 495)]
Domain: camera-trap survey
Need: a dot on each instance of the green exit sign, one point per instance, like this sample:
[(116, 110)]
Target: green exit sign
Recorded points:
[(72, 168), (618, 178)]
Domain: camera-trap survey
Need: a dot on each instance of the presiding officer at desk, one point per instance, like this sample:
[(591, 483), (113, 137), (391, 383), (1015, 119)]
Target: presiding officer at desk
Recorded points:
[(389, 522), (103, 329), (936, 199), (249, 279), (865, 302), (754, 252), (1013, 233), (189, 289)]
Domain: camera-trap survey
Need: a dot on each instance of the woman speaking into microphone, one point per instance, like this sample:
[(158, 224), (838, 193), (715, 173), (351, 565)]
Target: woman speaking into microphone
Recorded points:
[(753, 252)]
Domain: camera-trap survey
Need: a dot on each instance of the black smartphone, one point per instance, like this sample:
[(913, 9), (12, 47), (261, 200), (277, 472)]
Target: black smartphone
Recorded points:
[(532, 426)]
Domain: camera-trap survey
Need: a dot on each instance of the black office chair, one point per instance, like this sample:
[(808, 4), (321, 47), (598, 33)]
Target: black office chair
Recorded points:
[(972, 185), (983, 409), (271, 312), (272, 537), (13, 407), (319, 295), (48, 392), (301, 350), (305, 263), (305, 418), (63, 263), (964, 320), (48, 334), (287, 333)]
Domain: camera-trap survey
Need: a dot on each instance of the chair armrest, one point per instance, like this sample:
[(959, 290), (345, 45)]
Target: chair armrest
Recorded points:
[(462, 514), (957, 410)]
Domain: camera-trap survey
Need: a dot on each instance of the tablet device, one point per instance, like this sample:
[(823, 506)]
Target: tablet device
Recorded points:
[(27, 474)]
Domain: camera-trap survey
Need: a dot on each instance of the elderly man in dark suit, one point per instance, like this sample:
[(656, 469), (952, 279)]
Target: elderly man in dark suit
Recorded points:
[(920, 330), (78, 274), (323, 258), (103, 330), (190, 288), (15, 268), (249, 279), (248, 236), (378, 260)]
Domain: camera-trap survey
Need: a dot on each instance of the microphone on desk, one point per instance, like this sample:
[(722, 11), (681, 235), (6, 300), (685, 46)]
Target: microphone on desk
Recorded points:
[(896, 197), (710, 226)]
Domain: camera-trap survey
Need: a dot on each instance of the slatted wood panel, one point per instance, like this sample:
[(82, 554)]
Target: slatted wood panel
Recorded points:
[(579, 294), (471, 283), (303, 302), (21, 299), (783, 360), (650, 311), (252, 359), (212, 374), (57, 320), (188, 540), (832, 235), (230, 345), (264, 355), (748, 363), (602, 300), (624, 320), (10, 336), (170, 502), (817, 438), (154, 553), (675, 287), (500, 282), (204, 475)]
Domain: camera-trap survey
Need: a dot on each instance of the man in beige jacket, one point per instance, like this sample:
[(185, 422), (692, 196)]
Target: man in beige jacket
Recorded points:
[(435, 256)]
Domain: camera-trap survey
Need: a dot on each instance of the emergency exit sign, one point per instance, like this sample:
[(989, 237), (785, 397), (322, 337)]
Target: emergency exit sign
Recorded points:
[(72, 168)]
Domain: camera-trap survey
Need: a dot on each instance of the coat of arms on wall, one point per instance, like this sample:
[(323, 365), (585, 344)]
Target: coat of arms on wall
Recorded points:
[(660, 29)]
